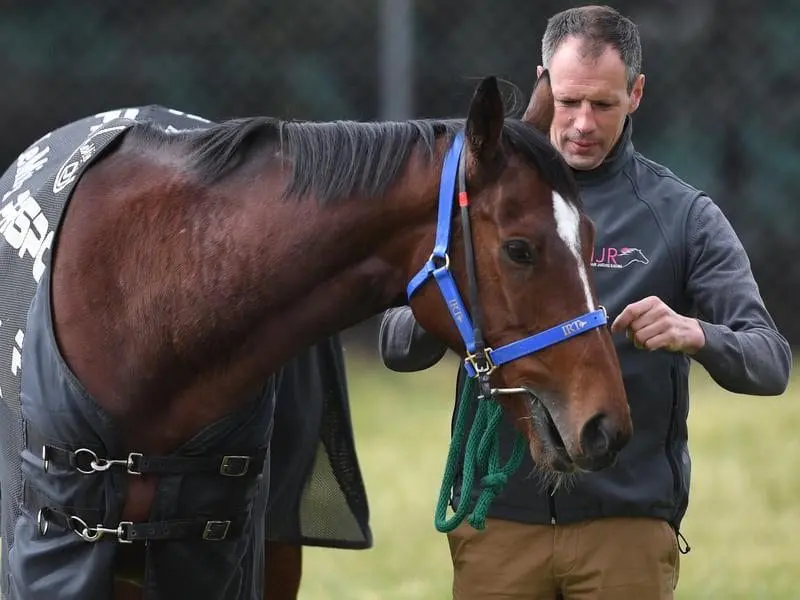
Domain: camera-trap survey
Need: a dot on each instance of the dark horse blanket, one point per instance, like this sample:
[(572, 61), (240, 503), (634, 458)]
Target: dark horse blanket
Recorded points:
[(317, 492)]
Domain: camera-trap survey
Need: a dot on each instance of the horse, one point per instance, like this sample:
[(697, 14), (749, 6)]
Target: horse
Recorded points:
[(188, 266)]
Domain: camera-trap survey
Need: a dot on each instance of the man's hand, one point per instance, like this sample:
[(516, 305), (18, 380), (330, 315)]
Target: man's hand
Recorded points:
[(652, 325)]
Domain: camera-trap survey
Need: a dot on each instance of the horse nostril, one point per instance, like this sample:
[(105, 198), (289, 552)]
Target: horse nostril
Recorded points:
[(597, 436)]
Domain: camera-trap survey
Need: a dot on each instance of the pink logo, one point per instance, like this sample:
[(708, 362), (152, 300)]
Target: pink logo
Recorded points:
[(618, 258)]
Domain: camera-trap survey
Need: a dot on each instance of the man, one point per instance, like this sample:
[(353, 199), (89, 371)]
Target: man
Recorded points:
[(677, 285)]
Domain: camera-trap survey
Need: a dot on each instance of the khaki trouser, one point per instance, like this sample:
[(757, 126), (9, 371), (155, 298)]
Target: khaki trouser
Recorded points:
[(605, 559)]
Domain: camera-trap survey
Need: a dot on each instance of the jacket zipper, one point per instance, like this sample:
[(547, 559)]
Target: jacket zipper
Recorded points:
[(684, 547), (673, 463)]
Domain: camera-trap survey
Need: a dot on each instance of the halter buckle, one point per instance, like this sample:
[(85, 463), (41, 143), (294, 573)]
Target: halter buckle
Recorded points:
[(487, 368)]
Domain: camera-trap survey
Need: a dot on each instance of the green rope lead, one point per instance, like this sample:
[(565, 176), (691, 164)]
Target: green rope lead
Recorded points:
[(482, 453)]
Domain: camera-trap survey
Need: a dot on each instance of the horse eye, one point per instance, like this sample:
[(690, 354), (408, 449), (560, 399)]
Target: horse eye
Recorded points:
[(519, 251)]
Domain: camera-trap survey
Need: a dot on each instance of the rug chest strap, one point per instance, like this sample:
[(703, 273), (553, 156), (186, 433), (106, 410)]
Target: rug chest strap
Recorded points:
[(83, 522), (90, 460)]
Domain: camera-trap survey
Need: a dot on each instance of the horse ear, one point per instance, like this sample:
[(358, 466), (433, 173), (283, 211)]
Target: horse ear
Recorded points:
[(541, 106), (485, 121)]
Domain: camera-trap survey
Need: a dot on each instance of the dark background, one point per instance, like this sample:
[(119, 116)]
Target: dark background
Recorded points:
[(721, 104)]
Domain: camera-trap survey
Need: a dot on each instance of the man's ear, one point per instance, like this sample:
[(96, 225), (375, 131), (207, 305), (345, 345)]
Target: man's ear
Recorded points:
[(636, 93)]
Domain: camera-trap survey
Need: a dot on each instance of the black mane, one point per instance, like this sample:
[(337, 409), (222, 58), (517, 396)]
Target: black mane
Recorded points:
[(341, 158)]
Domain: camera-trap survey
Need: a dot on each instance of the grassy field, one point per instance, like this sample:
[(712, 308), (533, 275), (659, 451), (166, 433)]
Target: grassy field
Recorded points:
[(743, 522)]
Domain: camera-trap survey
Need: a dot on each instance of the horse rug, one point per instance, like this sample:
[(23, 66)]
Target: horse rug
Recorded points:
[(60, 515)]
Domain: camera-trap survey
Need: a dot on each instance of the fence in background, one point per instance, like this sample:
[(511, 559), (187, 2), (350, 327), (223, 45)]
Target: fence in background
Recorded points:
[(720, 105)]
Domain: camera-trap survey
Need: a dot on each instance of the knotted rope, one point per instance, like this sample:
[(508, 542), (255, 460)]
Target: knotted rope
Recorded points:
[(481, 455)]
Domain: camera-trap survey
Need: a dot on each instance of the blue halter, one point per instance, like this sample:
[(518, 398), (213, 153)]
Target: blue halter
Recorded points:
[(480, 360)]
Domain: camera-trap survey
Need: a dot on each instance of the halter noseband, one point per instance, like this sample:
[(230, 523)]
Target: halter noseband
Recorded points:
[(481, 360)]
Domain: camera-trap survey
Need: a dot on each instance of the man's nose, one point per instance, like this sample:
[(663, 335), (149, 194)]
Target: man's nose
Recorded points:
[(584, 119)]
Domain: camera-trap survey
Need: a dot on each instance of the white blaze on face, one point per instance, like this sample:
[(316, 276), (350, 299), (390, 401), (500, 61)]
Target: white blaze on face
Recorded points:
[(568, 225)]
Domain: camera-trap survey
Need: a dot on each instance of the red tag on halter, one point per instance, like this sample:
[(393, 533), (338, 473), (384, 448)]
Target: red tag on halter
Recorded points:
[(463, 199)]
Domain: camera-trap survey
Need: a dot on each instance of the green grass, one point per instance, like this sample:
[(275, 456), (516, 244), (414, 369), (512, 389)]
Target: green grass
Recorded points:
[(743, 521)]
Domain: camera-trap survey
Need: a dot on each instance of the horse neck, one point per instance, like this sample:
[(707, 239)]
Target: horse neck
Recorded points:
[(335, 266), (206, 292)]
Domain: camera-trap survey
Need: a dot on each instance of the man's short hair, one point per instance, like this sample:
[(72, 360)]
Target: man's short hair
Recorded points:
[(598, 27)]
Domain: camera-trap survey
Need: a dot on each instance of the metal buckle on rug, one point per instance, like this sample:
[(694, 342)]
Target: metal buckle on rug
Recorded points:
[(95, 534), (234, 466), (98, 465), (82, 529), (42, 524), (216, 531), (45, 460)]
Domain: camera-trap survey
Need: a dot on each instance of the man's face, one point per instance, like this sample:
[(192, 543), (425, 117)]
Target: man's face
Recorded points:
[(591, 102)]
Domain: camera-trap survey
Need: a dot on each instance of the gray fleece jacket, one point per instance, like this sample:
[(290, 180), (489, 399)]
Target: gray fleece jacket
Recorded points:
[(658, 236)]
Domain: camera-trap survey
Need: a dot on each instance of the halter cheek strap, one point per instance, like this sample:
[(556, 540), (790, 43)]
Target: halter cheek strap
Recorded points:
[(480, 360)]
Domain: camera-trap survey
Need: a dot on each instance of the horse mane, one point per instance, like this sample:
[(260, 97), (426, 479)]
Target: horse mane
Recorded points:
[(337, 159)]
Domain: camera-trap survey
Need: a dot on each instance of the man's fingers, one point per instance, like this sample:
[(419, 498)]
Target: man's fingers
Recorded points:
[(641, 336), (647, 319), (624, 319), (650, 324), (631, 313), (629, 334), (662, 340)]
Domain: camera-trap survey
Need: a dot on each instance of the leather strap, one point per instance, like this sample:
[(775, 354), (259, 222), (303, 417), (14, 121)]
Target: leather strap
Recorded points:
[(90, 460), (84, 522)]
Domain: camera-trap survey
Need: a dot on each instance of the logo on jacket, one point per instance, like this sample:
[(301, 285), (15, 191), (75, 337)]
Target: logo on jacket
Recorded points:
[(618, 258)]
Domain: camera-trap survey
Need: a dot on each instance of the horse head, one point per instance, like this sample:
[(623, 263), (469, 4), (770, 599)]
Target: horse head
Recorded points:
[(532, 330)]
